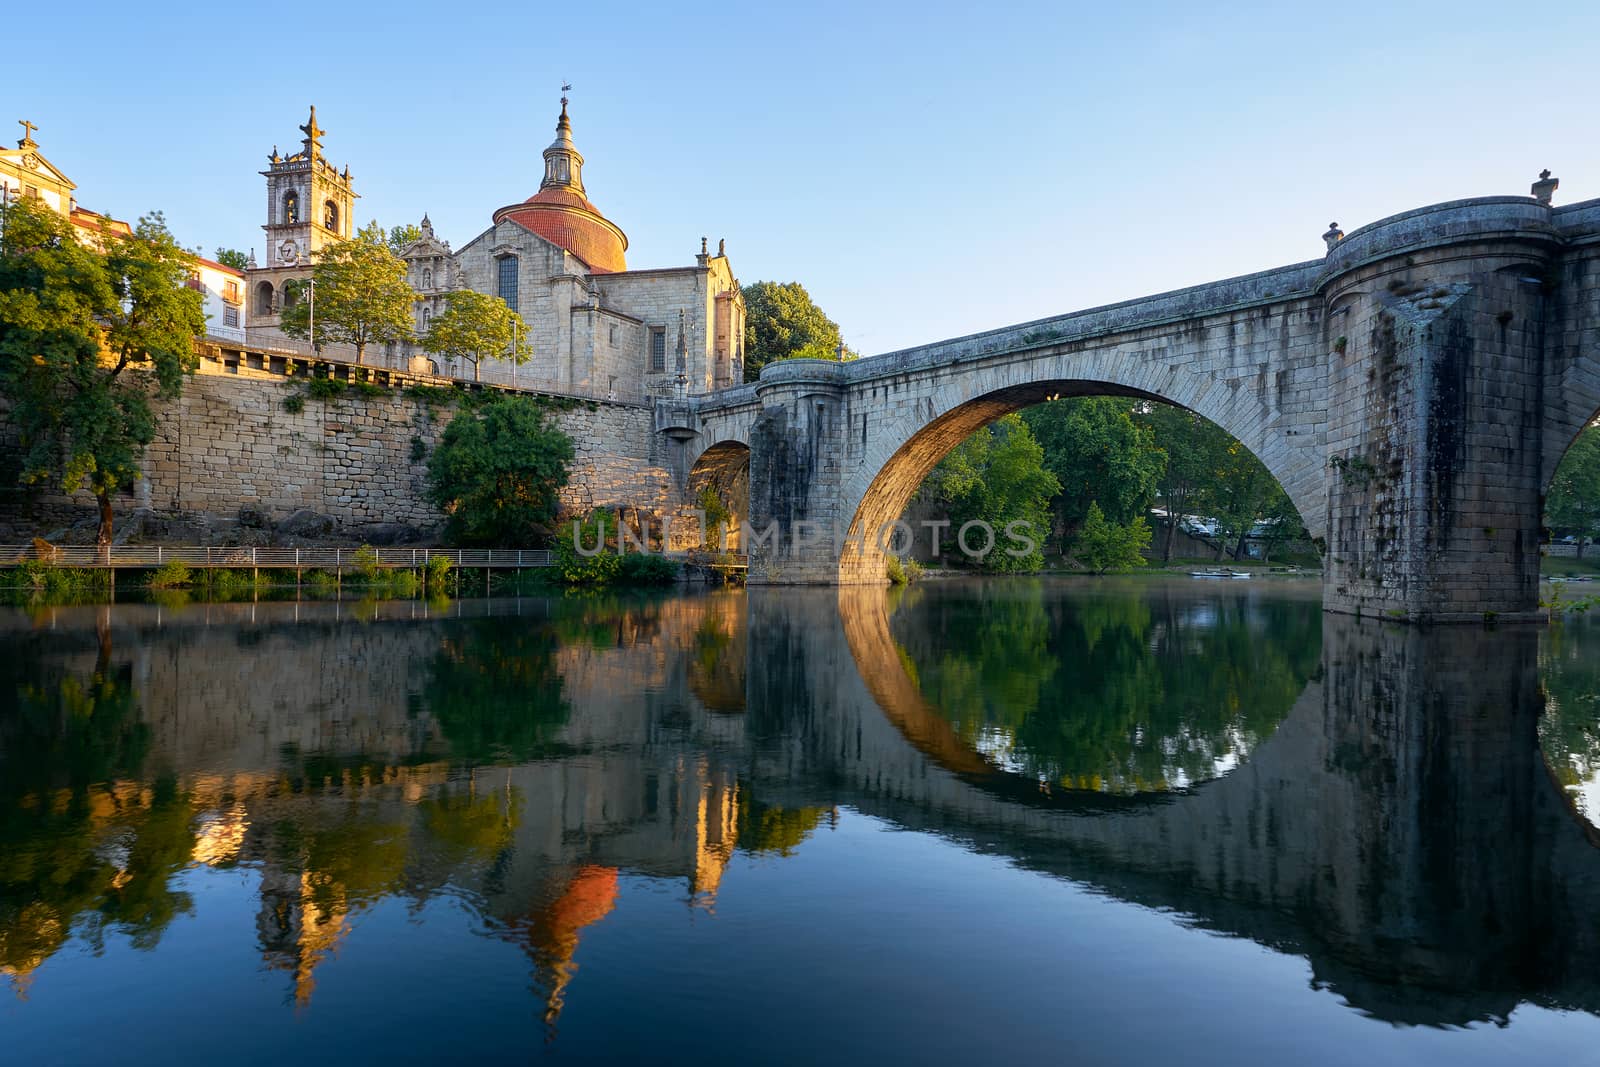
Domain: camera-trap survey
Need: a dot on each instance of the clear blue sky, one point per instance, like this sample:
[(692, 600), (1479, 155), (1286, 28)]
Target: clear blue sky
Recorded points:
[(925, 170)]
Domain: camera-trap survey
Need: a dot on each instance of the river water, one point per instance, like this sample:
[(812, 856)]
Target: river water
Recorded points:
[(1084, 821)]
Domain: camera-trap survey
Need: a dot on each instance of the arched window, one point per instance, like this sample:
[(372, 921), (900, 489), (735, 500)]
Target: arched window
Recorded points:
[(291, 207), (427, 278), (263, 298), (330, 216)]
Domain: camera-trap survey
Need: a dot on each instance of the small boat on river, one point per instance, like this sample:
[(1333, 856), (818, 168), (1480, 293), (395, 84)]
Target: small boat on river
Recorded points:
[(1220, 573)]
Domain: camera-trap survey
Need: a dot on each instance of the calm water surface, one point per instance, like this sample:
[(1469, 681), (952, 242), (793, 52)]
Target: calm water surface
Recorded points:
[(1067, 821)]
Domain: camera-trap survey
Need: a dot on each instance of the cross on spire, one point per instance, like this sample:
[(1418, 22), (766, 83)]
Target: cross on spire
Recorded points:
[(27, 132)]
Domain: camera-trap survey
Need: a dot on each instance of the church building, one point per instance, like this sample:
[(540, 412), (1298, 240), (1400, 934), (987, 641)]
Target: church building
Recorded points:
[(595, 327)]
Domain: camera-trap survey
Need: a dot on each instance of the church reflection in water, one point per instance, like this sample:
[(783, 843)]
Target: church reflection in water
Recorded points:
[(1374, 799)]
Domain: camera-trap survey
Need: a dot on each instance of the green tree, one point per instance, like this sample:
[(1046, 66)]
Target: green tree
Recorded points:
[(783, 322), (359, 296), (1239, 492), (1193, 445), (232, 257), (401, 237), (73, 320), (1098, 453), (1102, 544), (1573, 503), (497, 472), (474, 326), (997, 476)]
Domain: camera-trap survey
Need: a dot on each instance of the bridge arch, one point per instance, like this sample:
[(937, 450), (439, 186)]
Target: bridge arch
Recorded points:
[(907, 447), (724, 467)]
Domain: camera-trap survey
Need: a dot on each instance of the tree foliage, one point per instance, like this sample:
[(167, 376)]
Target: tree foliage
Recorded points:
[(783, 322), (1102, 545), (73, 320), (997, 476), (1099, 455), (232, 257), (1573, 504), (497, 472), (360, 297), (400, 238), (1193, 445), (476, 326)]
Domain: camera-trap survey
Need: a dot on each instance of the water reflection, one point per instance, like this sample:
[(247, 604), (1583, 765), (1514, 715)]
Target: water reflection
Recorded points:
[(1108, 691), (1383, 809)]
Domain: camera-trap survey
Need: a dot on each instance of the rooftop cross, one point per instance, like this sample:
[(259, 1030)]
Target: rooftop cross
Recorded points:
[(27, 129)]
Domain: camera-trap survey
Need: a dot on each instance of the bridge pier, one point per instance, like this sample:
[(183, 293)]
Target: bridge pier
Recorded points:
[(1436, 412)]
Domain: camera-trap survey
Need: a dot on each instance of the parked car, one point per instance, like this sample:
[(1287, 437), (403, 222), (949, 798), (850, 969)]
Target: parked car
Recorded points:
[(1198, 526)]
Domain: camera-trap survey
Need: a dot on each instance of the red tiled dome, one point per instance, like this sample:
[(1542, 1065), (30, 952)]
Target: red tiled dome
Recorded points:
[(566, 219), (562, 215)]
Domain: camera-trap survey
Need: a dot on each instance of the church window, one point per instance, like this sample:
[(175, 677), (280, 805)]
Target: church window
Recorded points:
[(291, 207), (613, 335), (507, 290), (427, 278), (230, 316), (658, 349), (330, 216)]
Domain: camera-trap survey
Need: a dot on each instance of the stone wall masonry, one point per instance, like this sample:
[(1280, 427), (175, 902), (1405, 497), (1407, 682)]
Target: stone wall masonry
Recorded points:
[(229, 444)]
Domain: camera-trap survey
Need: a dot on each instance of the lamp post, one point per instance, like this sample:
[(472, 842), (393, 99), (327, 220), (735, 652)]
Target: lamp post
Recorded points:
[(311, 314)]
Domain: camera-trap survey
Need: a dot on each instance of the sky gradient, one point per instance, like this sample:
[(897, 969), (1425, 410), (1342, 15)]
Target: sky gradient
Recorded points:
[(925, 170)]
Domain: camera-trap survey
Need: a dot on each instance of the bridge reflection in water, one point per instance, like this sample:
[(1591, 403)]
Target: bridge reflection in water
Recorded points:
[(1372, 799)]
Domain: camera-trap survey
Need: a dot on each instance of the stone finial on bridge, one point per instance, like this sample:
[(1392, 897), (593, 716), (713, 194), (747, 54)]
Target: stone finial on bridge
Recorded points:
[(1333, 236), (1545, 187)]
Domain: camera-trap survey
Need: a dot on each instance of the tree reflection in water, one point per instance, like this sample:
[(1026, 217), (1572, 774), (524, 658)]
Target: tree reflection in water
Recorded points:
[(1111, 690)]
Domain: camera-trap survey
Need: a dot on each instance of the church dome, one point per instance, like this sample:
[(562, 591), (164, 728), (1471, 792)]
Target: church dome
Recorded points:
[(561, 213)]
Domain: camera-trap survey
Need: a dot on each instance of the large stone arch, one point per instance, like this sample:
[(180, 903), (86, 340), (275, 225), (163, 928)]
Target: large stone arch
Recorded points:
[(908, 446)]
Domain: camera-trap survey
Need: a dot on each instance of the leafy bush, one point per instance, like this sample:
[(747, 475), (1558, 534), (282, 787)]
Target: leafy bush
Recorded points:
[(1103, 545), (646, 568), (913, 570), (894, 570), (367, 563), (438, 569), (171, 575), (496, 473), (320, 388), (576, 568), (606, 566)]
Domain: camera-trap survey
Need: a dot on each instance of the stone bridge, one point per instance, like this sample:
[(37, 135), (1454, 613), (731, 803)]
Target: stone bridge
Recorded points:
[(1412, 391)]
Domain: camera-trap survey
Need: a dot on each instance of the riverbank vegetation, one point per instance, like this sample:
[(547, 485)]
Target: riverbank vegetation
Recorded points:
[(1086, 472)]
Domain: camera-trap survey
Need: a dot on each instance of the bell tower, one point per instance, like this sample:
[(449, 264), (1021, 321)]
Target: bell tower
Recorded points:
[(309, 202)]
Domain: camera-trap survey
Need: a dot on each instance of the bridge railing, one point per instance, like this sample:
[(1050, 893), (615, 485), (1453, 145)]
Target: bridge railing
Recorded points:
[(282, 558)]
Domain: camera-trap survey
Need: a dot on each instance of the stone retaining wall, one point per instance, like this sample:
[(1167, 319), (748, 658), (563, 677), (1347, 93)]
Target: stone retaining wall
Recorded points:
[(229, 444)]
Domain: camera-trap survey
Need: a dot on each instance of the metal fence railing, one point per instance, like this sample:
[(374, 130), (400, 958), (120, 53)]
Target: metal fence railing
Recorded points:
[(280, 558)]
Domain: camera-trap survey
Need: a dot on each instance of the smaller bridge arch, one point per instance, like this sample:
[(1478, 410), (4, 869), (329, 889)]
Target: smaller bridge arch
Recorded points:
[(724, 468)]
